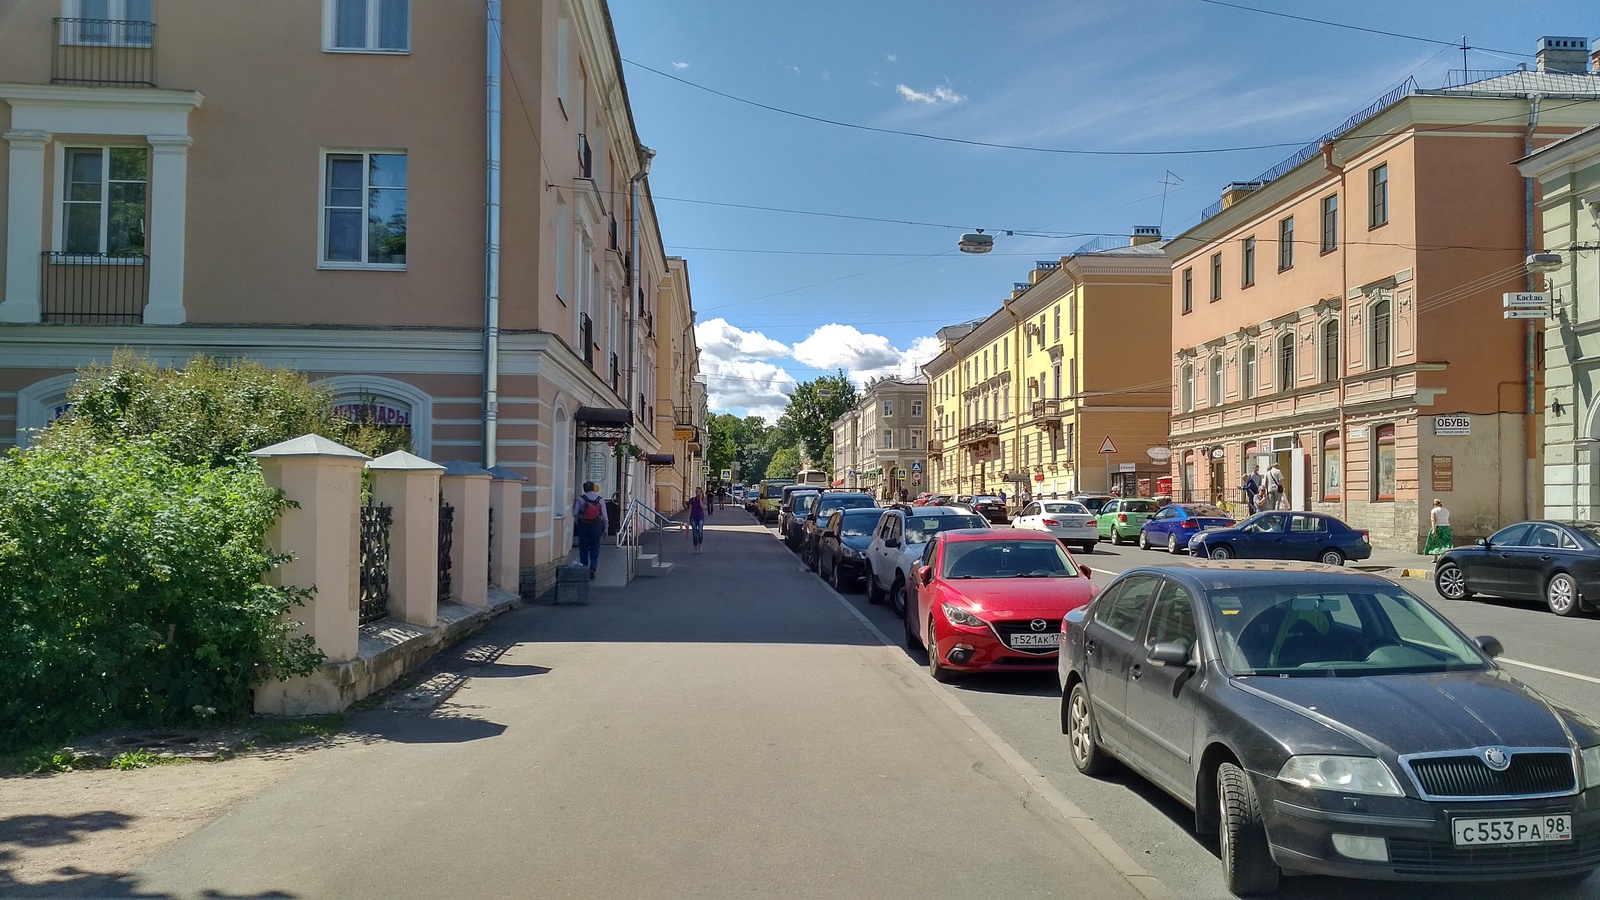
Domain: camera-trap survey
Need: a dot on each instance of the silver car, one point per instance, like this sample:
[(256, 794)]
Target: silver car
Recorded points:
[(897, 544), (1070, 521)]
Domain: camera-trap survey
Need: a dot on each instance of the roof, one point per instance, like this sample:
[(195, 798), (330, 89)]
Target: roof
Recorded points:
[(997, 534), (1238, 573), (915, 511), (1521, 83)]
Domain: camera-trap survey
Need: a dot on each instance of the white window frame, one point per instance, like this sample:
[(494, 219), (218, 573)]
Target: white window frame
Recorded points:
[(330, 29), (916, 408), (1373, 362), (563, 250), (60, 188), (563, 63), (888, 409), (1249, 372), (322, 212), (888, 439), (1214, 383), (73, 33), (916, 439), (1186, 387)]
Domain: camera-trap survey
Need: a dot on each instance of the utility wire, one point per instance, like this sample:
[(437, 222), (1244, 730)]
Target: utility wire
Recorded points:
[(1377, 31)]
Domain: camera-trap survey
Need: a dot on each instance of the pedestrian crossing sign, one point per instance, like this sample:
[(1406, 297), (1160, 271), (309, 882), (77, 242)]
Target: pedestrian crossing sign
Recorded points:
[(916, 467), (705, 468)]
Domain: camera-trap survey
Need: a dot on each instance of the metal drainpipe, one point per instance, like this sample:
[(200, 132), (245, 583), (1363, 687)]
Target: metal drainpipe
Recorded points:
[(634, 294), (491, 249), (1344, 337), (1531, 419), (1017, 382)]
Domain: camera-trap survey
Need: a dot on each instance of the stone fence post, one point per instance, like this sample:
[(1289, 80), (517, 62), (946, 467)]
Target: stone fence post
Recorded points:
[(505, 498), (466, 487), (410, 484)]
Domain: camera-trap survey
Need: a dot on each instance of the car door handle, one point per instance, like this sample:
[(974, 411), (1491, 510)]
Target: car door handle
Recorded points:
[(1546, 557), (1089, 646), (1135, 672)]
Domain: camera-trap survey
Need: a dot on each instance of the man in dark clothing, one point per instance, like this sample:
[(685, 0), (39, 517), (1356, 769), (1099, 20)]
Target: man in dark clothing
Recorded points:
[(1251, 488), (590, 523)]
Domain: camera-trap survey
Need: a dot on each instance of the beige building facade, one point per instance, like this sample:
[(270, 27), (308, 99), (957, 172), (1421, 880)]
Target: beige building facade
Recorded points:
[(306, 183), (880, 446)]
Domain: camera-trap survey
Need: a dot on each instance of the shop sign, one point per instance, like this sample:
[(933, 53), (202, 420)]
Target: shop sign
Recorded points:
[(382, 413), (1158, 454), (683, 434), (1126, 467), (1454, 426), (1444, 473)]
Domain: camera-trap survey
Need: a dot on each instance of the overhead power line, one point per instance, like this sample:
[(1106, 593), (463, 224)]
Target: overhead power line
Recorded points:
[(1377, 31)]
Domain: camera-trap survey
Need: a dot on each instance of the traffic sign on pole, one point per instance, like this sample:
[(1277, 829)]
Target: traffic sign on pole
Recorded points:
[(1106, 446), (916, 467)]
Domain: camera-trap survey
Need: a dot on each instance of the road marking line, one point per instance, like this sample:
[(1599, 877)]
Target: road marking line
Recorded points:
[(1526, 665), (1087, 828), (1104, 571)]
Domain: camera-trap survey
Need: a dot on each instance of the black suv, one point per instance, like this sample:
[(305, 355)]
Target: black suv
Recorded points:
[(991, 508), (817, 519)]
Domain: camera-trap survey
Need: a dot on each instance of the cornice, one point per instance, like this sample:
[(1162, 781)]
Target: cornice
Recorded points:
[(73, 95)]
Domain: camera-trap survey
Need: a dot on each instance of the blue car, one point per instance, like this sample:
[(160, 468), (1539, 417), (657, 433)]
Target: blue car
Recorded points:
[(1284, 535), (1177, 522)]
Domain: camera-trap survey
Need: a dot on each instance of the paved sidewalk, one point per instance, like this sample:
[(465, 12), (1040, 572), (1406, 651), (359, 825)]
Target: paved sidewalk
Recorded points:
[(729, 730), (1398, 565)]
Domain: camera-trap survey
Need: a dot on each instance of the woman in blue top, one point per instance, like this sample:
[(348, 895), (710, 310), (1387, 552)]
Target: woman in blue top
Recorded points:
[(697, 517)]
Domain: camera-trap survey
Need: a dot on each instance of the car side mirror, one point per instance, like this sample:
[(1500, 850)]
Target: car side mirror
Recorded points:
[(1084, 570), (925, 574), (1483, 542), (1169, 653), (1490, 645)]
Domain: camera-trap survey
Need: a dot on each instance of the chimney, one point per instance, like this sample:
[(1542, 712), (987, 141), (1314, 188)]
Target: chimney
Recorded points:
[(1236, 191), (1594, 62), (1144, 234), (1563, 54)]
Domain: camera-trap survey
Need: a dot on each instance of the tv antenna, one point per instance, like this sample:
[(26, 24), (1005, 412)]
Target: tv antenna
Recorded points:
[(1170, 180)]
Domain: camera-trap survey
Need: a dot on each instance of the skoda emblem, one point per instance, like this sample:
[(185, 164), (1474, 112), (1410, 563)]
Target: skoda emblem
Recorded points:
[(1496, 758), (1040, 625)]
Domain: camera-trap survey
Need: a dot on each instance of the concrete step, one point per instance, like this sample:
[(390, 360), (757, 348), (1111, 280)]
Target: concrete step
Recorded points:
[(654, 570)]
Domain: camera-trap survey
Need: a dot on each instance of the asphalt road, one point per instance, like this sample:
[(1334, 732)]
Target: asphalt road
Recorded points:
[(1157, 831)]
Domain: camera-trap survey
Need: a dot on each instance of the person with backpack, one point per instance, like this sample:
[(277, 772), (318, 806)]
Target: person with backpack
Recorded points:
[(1252, 489), (697, 518), (591, 523)]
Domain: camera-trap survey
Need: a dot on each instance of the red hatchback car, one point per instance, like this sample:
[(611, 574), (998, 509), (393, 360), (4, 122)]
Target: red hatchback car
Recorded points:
[(992, 600)]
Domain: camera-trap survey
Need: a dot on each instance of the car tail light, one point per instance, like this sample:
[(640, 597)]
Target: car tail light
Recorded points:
[(1189, 523), (1123, 518), (1049, 522), (1363, 534)]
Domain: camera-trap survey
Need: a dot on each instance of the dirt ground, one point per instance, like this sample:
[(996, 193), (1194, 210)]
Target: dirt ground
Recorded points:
[(74, 830)]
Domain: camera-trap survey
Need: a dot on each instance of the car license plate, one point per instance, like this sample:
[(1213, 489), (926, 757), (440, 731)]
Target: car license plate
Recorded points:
[(1514, 830), (1048, 639)]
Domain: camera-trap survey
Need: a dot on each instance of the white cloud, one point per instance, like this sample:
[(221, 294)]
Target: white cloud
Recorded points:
[(862, 356), (943, 95), (827, 75), (891, 57), (680, 65), (722, 342), (758, 388), (794, 69)]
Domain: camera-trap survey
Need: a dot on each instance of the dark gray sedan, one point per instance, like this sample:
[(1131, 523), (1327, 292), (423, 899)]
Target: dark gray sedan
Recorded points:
[(1326, 721)]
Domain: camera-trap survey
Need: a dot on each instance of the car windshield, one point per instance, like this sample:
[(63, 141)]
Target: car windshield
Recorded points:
[(804, 502), (1006, 559), (1069, 509), (846, 501), (774, 491), (1201, 509), (859, 523), (1138, 506), (1325, 630), (921, 529)]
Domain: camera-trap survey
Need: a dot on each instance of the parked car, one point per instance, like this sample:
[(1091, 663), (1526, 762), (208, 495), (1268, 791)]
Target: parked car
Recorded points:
[(991, 508), (897, 545), (770, 500), (1067, 520), (1327, 721), (795, 504), (1175, 523), (1094, 502), (990, 600), (1556, 562), (842, 546), (1284, 535), (817, 518), (1120, 520)]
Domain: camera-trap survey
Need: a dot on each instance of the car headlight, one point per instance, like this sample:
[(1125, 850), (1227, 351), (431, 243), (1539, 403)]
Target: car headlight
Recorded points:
[(852, 553), (1591, 767), (1351, 774), (961, 617)]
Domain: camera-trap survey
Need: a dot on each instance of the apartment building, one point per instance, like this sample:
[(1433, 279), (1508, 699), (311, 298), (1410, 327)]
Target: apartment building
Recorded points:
[(680, 395), (1568, 173), (1341, 315), (247, 184), (1063, 389), (881, 444)]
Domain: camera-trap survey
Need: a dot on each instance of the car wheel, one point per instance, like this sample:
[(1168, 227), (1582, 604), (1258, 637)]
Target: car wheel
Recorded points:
[(1144, 540), (1331, 557), (1561, 594), (1082, 735), (1247, 866), (1451, 582), (897, 595), (1116, 538), (874, 593), (1089, 547), (1221, 551), (913, 640), (833, 577), (936, 668), (1172, 545)]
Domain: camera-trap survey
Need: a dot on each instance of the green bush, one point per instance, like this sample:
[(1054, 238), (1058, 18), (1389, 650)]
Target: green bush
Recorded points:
[(131, 591), (208, 412)]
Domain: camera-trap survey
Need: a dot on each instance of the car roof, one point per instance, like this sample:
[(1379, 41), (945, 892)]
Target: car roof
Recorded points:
[(997, 534), (931, 511), (1210, 575)]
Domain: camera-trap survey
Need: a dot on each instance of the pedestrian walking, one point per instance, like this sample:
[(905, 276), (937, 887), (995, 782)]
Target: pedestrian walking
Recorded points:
[(591, 522), (1251, 487), (1273, 487), (697, 518), (1440, 536)]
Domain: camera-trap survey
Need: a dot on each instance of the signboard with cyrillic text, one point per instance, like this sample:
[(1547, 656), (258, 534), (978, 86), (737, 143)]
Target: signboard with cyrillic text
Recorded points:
[(1452, 426)]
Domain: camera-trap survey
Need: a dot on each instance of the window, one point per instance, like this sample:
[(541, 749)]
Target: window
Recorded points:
[(888, 409), (117, 23), (1247, 262), (366, 26), (1186, 388), (916, 439), (916, 409), (563, 62), (888, 440), (1330, 351), (1126, 610), (1056, 376), (1331, 469), (1286, 362), (1005, 404), (1286, 244), (1072, 440), (1058, 323), (1378, 194), (1383, 471), (563, 249), (1188, 290), (1379, 319), (1247, 371), (1173, 619), (1215, 386), (364, 210), (1330, 223), (1216, 277), (104, 202)]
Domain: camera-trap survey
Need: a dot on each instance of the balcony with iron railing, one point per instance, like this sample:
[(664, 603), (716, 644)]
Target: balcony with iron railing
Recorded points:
[(103, 53), (978, 432), (1047, 412), (93, 288)]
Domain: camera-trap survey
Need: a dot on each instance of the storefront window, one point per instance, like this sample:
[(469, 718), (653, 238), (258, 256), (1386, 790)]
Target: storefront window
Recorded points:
[(1383, 474), (1332, 471), (1188, 486)]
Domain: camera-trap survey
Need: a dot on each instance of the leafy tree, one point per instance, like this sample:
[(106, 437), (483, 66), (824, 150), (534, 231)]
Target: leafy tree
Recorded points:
[(724, 434), (785, 463), (813, 408)]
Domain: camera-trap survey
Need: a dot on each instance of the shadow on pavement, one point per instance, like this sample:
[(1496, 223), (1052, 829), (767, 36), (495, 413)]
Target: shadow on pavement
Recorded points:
[(409, 728)]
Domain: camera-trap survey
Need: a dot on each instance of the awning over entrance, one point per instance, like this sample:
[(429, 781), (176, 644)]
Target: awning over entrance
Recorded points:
[(658, 459), (600, 424)]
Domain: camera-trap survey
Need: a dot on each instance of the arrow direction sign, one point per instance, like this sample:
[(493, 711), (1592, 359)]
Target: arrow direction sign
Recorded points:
[(1524, 299), (1527, 312)]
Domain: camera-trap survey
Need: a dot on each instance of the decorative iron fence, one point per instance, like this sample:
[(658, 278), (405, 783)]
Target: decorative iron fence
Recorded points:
[(104, 53), (375, 523), (93, 288), (447, 523)]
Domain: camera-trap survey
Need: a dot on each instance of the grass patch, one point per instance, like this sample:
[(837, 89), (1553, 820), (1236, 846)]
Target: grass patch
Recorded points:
[(284, 731), (143, 759)]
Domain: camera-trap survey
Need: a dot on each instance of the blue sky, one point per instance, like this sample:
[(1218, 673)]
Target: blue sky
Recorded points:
[(782, 297)]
